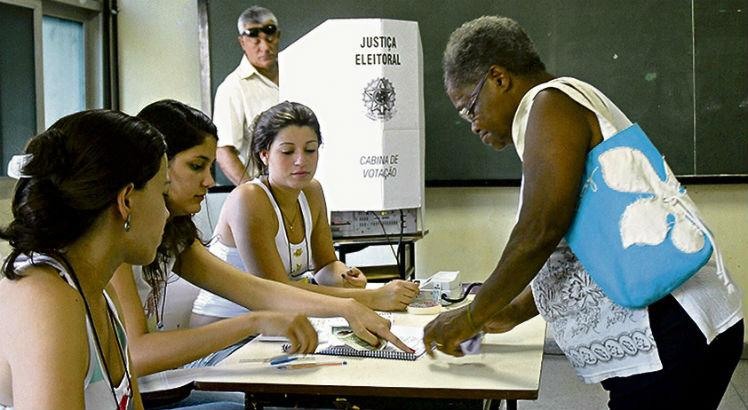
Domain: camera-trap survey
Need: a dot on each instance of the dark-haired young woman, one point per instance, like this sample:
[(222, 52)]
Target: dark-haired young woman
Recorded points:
[(276, 226), (191, 141), (76, 218)]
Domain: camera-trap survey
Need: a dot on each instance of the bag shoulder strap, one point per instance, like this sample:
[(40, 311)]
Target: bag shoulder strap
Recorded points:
[(611, 118)]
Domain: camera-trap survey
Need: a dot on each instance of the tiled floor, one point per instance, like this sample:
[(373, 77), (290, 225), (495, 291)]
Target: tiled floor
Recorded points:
[(561, 389)]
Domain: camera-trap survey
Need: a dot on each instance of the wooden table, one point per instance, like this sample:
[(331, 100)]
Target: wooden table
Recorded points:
[(507, 369)]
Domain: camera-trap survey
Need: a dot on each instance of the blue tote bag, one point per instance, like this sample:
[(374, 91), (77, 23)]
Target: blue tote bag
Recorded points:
[(636, 231)]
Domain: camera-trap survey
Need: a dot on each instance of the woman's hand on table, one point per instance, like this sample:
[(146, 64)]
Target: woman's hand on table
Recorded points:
[(301, 334), (371, 327), (447, 331), (353, 278), (395, 295)]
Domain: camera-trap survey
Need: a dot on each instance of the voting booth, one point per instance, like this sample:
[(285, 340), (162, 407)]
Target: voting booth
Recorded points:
[(364, 80)]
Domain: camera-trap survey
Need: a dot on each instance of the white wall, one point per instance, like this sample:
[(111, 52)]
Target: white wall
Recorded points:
[(468, 226), (158, 53)]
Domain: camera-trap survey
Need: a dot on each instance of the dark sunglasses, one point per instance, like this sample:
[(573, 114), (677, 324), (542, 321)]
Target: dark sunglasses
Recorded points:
[(254, 32)]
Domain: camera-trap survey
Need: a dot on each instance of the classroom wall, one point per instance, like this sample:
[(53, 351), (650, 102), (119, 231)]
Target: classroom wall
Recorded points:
[(468, 227), (158, 53)]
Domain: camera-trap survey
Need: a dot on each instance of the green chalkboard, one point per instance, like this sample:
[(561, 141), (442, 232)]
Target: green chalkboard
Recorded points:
[(677, 67), (17, 80)]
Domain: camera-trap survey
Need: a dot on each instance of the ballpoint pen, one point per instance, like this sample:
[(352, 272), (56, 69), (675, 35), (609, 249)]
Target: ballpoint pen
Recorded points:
[(282, 359), (309, 365), (272, 361)]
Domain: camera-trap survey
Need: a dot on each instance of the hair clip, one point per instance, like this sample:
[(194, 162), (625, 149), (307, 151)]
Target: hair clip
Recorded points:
[(16, 165)]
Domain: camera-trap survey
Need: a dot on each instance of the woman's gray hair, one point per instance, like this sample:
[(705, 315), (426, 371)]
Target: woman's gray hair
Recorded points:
[(485, 41), (255, 15)]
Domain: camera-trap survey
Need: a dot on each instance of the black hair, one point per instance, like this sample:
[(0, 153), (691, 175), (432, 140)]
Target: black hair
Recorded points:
[(269, 123), (183, 127), (75, 171)]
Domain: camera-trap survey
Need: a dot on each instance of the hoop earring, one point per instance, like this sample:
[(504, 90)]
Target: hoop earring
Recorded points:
[(127, 223)]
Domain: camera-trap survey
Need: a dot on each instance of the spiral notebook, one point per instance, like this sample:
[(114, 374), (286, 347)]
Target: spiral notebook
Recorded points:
[(342, 342)]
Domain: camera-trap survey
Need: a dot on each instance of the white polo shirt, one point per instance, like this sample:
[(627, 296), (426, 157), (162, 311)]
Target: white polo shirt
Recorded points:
[(244, 94)]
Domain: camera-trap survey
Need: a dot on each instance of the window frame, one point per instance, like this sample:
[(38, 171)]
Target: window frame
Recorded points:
[(90, 14)]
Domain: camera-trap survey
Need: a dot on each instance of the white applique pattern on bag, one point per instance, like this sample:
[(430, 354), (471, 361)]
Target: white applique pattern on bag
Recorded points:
[(645, 221)]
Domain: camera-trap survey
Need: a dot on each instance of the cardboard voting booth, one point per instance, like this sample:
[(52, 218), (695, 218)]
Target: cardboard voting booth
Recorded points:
[(364, 80)]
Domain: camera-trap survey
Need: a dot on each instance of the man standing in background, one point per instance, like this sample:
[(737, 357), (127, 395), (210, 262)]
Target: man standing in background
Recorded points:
[(247, 91)]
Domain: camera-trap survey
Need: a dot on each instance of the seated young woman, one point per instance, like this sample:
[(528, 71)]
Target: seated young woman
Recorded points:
[(276, 226), (191, 149), (89, 197)]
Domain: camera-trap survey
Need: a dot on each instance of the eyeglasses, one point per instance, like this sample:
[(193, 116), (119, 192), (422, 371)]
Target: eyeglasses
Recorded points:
[(254, 32), (468, 112)]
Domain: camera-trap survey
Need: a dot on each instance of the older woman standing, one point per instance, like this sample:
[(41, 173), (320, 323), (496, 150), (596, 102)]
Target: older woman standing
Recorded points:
[(684, 346)]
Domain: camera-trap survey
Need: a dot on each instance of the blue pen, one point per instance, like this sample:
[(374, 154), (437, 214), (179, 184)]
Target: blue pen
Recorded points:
[(282, 359), (310, 365)]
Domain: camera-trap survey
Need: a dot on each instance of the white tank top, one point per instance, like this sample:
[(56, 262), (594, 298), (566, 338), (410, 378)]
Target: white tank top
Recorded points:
[(296, 257), (296, 260), (99, 391)]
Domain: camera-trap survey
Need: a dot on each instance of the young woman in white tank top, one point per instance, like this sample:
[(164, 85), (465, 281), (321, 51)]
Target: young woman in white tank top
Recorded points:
[(276, 225)]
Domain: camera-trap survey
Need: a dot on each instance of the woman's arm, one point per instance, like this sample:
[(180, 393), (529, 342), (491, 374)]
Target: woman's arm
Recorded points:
[(205, 270), (253, 225), (152, 352), (558, 137), (330, 271), (519, 310), (45, 343)]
